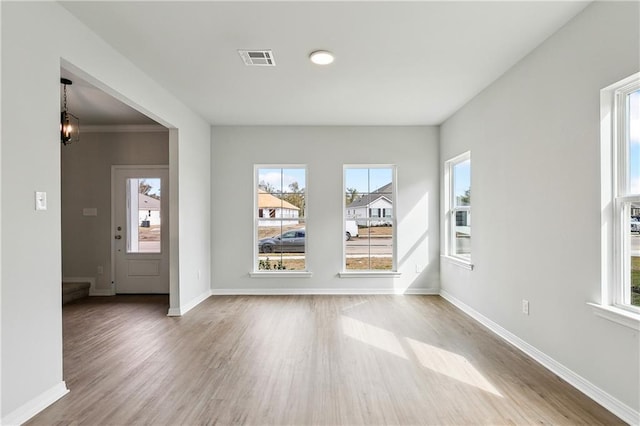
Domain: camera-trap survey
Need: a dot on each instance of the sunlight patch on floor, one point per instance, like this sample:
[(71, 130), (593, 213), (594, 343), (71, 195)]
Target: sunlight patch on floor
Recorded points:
[(372, 335), (436, 359), (451, 365)]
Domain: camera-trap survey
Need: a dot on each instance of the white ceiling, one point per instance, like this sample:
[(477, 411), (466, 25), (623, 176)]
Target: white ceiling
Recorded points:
[(397, 63)]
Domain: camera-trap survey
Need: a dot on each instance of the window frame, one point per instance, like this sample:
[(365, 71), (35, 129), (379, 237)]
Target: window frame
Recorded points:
[(259, 273), (451, 211), (371, 273), (615, 200), (622, 198)]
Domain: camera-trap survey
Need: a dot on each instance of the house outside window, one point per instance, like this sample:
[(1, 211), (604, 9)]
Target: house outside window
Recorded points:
[(458, 208), (280, 218), (369, 198)]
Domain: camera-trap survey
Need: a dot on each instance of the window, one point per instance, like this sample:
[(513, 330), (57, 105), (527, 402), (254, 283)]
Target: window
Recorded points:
[(458, 208), (369, 221), (626, 195), (143, 215), (280, 218)]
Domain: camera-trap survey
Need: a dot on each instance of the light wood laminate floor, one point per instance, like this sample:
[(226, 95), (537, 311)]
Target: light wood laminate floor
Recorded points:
[(301, 360)]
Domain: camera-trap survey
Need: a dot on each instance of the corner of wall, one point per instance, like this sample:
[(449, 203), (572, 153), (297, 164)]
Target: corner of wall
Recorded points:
[(34, 406)]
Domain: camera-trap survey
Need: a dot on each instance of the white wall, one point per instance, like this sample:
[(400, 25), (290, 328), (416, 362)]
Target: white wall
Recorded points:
[(86, 182), (324, 150), (36, 39), (534, 141)]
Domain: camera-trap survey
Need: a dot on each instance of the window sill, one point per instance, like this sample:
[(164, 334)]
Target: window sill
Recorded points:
[(292, 274), (369, 274), (458, 262), (620, 316)]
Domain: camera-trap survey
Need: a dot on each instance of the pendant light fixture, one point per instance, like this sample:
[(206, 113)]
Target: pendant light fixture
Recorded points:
[(69, 123)]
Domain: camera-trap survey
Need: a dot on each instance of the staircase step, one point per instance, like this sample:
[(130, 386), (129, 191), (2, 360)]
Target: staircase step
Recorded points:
[(74, 291)]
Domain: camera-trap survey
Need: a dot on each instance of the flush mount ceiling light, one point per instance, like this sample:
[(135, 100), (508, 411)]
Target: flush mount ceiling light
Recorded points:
[(321, 57), (69, 123)]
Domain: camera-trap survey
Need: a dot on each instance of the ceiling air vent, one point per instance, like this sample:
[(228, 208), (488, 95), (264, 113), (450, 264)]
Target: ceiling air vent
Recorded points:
[(257, 58)]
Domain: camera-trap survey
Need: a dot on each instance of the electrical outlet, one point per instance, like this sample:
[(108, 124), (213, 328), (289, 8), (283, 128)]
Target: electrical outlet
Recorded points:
[(418, 268), (100, 270), (525, 306)]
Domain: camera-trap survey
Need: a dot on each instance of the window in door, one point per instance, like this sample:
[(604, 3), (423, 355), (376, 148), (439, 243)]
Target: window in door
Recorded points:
[(144, 225)]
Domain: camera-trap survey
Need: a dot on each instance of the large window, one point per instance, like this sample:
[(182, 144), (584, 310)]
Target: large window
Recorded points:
[(280, 217), (626, 203), (369, 218), (458, 207)]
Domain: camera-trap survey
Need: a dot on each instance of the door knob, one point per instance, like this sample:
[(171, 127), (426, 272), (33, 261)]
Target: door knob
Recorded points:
[(118, 237)]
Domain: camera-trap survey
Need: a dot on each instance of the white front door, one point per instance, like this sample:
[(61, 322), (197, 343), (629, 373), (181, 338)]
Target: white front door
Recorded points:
[(140, 221)]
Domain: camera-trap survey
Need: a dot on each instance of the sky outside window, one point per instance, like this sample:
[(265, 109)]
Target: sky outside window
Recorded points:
[(461, 182), (154, 184), (367, 180), (634, 142), (280, 179)]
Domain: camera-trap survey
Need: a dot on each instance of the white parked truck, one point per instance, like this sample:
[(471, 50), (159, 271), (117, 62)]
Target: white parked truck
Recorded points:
[(351, 229)]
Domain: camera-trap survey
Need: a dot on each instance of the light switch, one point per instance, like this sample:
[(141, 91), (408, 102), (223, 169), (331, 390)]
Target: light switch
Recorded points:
[(41, 200)]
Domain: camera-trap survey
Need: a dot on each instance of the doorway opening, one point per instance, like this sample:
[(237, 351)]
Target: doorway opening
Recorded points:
[(114, 133)]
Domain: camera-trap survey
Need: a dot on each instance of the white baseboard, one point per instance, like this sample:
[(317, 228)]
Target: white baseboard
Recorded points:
[(102, 292), (92, 290), (316, 291), (183, 309), (612, 404), (37, 404), (423, 291)]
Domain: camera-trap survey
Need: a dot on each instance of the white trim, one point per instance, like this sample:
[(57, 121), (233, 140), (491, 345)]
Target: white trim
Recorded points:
[(609, 402), (617, 315), (450, 207), (279, 274), (369, 274), (26, 411), (394, 215), (304, 219), (174, 312), (124, 128), (320, 291), (183, 309), (421, 292), (102, 293), (458, 262), (614, 197), (114, 168)]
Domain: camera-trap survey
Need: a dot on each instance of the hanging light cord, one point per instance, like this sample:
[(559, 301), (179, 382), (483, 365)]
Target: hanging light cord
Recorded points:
[(65, 98)]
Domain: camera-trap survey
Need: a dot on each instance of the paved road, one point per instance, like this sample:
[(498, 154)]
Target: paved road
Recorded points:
[(357, 247), (373, 246)]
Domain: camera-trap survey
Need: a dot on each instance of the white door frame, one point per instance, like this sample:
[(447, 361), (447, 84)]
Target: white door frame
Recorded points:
[(113, 219)]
